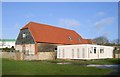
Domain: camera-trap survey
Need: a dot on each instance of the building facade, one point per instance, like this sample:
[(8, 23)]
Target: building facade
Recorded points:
[(84, 51)]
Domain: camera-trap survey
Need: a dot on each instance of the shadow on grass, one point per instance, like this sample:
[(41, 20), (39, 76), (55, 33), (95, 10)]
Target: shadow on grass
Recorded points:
[(114, 61)]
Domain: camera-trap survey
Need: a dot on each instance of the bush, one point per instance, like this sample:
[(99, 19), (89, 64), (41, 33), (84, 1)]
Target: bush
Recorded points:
[(8, 49)]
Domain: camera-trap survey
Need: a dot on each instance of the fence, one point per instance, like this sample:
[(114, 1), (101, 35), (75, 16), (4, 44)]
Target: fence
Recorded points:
[(117, 55), (12, 55)]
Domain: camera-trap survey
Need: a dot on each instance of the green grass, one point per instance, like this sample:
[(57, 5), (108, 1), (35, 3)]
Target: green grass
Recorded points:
[(12, 67), (102, 61)]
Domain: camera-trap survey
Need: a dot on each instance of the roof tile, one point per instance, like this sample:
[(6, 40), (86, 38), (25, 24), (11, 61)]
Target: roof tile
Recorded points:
[(52, 34)]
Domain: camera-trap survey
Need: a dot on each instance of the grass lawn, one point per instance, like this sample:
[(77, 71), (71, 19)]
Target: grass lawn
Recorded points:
[(102, 61), (12, 67)]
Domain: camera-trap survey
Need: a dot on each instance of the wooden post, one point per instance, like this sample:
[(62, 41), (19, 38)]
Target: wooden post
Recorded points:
[(36, 48), (36, 51)]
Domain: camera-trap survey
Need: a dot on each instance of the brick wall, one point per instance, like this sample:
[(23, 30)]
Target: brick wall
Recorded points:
[(117, 55), (12, 55), (46, 55)]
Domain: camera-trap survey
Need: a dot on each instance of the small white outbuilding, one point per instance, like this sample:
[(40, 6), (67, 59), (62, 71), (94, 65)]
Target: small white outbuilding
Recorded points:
[(84, 51)]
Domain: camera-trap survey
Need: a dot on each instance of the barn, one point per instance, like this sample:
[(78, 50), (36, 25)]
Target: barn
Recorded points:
[(84, 51), (39, 41)]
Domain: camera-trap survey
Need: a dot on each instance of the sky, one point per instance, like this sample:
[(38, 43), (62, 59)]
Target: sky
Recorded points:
[(89, 19)]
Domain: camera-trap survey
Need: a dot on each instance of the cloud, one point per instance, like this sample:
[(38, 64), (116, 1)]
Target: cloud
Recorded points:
[(69, 22), (100, 13), (104, 22), (96, 15)]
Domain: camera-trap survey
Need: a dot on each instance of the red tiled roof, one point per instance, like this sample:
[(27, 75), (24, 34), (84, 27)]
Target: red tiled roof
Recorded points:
[(89, 41), (50, 34)]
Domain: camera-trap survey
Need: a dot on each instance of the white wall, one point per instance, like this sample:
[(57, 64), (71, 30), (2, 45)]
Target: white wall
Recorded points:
[(9, 44), (82, 51), (71, 52)]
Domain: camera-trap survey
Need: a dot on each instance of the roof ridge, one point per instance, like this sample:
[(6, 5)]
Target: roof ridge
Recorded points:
[(50, 25), (26, 26)]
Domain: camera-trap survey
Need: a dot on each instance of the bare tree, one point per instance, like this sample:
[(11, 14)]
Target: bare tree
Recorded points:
[(101, 40)]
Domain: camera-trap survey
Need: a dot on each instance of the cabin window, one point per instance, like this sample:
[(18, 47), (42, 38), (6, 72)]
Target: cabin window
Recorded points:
[(91, 49), (69, 38), (101, 50), (78, 53), (94, 50)]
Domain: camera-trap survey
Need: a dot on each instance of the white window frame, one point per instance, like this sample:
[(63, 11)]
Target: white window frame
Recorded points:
[(102, 50)]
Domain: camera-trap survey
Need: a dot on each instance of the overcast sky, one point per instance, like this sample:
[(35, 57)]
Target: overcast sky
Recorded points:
[(89, 19)]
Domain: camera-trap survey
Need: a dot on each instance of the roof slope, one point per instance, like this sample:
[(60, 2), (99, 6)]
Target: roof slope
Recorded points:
[(89, 41), (51, 34)]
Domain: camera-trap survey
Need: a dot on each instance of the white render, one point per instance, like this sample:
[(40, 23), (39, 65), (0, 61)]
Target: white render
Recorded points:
[(84, 51), (8, 44)]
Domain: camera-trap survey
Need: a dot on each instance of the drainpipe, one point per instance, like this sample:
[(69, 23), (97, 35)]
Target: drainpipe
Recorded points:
[(36, 48), (36, 51)]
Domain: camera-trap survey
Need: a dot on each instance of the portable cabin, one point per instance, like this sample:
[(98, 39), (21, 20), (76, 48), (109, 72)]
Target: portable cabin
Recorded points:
[(84, 51)]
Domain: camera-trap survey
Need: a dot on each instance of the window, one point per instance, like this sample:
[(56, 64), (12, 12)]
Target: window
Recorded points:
[(78, 53), (101, 50), (78, 39), (94, 50), (91, 49), (69, 38), (24, 35)]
